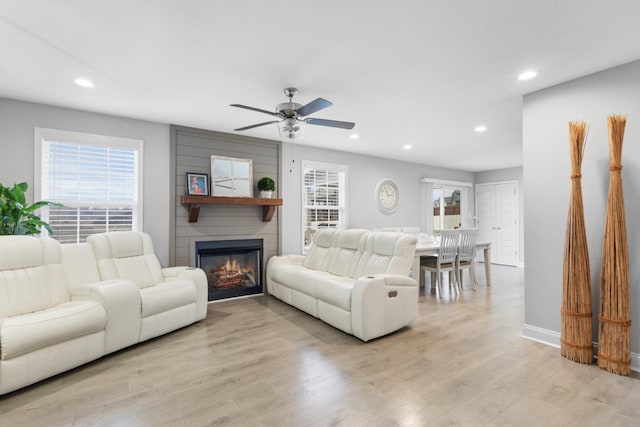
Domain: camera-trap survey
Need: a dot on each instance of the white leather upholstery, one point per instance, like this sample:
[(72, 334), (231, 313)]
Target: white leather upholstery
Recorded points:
[(42, 330), (130, 255), (127, 255), (28, 332), (355, 280), (65, 305)]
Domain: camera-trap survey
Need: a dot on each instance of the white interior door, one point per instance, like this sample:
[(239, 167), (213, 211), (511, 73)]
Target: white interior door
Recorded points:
[(506, 224), (486, 212), (497, 212)]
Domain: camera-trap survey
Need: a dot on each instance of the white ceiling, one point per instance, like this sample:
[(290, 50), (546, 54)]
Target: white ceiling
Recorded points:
[(414, 72)]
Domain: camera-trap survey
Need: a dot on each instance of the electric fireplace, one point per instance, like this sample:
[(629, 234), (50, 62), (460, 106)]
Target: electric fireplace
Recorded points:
[(233, 267)]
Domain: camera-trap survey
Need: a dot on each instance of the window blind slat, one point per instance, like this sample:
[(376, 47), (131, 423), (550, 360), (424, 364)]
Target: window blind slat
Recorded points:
[(97, 185)]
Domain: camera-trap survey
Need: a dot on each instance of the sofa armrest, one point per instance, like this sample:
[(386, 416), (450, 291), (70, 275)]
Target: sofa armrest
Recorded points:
[(198, 277), (382, 303), (288, 259), (121, 301)]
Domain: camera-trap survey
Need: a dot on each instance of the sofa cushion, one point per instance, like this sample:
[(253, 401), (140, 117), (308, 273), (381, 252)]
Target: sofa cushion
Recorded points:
[(28, 332), (127, 255), (388, 253), (335, 290), (166, 296), (320, 250), (304, 280), (34, 283), (346, 254), (20, 252)]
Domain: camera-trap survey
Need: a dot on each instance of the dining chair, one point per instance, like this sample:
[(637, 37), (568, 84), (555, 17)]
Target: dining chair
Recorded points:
[(466, 255), (444, 261)]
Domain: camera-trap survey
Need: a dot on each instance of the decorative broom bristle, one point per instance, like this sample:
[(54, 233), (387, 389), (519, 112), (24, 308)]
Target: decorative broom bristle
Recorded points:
[(576, 335), (614, 353)]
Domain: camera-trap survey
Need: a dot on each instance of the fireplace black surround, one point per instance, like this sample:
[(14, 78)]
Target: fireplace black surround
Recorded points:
[(233, 267)]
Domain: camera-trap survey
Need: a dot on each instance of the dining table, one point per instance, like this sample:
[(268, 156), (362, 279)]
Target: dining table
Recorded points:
[(426, 248)]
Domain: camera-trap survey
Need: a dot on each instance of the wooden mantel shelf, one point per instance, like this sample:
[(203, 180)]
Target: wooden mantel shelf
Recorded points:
[(194, 203)]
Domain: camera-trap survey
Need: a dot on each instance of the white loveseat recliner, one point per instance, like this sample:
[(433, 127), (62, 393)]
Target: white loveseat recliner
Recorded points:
[(170, 298), (64, 305), (355, 280)]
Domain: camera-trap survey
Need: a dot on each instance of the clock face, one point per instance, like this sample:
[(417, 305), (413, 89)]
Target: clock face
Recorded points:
[(387, 196)]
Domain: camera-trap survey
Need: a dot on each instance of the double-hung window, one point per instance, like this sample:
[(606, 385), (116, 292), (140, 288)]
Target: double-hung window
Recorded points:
[(324, 187), (97, 178)]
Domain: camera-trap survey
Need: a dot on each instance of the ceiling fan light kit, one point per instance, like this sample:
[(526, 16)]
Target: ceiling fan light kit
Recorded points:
[(292, 117), (291, 130)]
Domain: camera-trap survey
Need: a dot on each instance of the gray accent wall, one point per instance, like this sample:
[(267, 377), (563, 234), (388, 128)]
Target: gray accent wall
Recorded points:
[(364, 173), (192, 150), (547, 185), (502, 175), (18, 120)]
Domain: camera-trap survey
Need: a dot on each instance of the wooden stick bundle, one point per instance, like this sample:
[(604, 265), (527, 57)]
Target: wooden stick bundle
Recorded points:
[(576, 335), (614, 353)]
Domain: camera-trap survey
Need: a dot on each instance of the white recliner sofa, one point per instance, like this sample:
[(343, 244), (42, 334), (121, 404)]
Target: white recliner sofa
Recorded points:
[(61, 306), (170, 298), (355, 280)]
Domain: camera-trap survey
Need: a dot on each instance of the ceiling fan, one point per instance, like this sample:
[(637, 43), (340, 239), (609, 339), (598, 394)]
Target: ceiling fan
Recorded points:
[(293, 116)]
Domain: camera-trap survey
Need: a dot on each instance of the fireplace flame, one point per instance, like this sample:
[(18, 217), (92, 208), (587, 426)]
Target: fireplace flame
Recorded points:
[(232, 266), (231, 273)]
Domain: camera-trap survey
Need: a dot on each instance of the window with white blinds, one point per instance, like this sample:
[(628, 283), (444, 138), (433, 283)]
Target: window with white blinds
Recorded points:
[(324, 198), (95, 177)]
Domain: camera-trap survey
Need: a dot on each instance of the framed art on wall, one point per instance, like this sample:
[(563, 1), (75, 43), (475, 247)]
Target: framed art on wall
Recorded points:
[(197, 184), (231, 176)]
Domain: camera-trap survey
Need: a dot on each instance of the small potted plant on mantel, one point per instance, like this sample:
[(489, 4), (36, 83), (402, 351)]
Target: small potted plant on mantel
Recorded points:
[(266, 186)]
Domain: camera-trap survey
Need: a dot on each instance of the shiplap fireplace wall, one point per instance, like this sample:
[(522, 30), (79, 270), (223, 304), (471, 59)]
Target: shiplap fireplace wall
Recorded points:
[(191, 151)]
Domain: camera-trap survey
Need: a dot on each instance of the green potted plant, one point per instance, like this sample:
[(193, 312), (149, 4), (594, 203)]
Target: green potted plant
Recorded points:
[(266, 186), (16, 215)]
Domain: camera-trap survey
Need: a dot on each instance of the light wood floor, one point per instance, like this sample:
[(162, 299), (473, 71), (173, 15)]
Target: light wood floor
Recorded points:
[(259, 362)]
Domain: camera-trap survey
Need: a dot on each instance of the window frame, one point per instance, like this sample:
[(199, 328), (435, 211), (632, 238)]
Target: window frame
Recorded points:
[(426, 206), (442, 206), (42, 135), (342, 195)]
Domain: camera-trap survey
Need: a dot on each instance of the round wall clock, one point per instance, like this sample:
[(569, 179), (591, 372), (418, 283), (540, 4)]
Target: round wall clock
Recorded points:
[(387, 196)]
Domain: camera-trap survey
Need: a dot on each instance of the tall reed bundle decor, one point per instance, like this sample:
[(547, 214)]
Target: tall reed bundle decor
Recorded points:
[(576, 335), (614, 353)]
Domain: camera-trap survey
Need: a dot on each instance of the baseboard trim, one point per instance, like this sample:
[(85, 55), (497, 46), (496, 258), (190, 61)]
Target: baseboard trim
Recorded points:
[(543, 336), (552, 338)]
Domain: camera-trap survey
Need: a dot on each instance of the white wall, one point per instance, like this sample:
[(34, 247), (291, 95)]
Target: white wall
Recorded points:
[(509, 174), (547, 186), (364, 174), (18, 120)]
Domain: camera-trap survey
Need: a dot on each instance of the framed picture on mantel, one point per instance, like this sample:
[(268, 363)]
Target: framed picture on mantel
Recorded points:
[(197, 184), (231, 177)]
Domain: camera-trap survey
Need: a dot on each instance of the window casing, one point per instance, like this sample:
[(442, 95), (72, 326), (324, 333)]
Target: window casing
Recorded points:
[(95, 177), (324, 195)]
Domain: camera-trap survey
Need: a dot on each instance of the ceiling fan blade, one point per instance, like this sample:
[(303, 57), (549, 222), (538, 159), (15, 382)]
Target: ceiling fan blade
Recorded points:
[(259, 110), (259, 124), (315, 105), (331, 123)]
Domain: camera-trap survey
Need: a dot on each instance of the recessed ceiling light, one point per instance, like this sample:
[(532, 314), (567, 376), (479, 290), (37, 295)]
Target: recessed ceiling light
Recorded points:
[(480, 128), (354, 136), (84, 82), (407, 147), (527, 75)]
